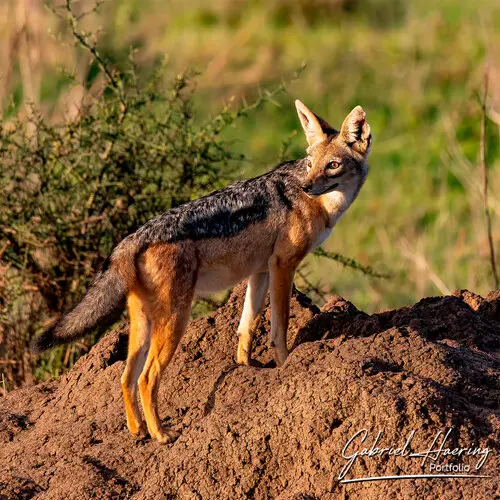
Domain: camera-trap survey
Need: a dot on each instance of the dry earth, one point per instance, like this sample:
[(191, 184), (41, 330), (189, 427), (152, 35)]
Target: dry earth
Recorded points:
[(262, 432)]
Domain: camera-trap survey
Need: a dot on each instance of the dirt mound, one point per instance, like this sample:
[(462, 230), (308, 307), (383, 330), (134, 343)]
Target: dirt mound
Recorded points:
[(261, 432)]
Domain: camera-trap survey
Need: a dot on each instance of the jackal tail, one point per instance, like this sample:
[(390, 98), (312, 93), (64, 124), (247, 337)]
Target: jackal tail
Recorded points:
[(100, 307)]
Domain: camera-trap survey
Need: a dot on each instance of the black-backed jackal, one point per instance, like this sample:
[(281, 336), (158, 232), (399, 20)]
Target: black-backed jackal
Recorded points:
[(258, 229)]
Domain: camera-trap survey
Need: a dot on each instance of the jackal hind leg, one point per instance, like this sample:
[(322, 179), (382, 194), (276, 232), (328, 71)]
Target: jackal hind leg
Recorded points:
[(138, 346), (169, 318), (251, 315)]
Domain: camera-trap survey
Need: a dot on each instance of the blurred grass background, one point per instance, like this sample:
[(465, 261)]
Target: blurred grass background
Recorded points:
[(415, 66)]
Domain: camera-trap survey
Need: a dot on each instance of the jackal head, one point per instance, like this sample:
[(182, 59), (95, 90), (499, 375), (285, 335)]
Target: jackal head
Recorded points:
[(337, 160)]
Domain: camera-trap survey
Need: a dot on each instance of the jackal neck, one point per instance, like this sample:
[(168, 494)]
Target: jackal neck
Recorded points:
[(334, 204), (337, 202)]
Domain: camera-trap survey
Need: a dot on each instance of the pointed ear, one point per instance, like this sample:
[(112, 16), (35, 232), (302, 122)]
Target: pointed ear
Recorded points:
[(356, 132), (315, 128)]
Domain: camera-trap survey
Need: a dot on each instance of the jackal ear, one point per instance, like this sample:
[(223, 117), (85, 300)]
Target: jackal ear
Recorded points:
[(315, 128), (356, 131)]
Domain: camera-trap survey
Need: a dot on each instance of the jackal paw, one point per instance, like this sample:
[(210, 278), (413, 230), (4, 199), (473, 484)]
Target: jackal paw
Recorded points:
[(243, 357), (167, 436), (244, 361), (139, 429), (280, 356)]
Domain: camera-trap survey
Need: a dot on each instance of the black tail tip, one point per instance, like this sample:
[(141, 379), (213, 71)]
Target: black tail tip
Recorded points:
[(44, 341)]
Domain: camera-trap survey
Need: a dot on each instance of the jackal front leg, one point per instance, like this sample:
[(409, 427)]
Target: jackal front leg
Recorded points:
[(250, 317), (281, 283)]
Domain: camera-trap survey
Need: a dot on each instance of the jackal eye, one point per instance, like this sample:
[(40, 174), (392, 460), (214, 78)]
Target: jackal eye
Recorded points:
[(333, 166)]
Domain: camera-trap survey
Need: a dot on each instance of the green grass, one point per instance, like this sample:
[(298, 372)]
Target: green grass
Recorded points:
[(415, 66), (417, 80)]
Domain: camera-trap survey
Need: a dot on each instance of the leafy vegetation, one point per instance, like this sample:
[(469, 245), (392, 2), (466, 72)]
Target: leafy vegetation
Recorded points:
[(71, 191), (89, 160)]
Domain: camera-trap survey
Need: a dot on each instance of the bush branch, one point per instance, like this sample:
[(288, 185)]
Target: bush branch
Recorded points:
[(353, 264)]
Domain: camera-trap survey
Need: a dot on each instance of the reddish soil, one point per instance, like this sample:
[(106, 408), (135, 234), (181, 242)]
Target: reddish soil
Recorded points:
[(262, 432)]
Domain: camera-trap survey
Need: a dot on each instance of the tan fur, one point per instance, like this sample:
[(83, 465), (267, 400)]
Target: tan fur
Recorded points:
[(167, 276)]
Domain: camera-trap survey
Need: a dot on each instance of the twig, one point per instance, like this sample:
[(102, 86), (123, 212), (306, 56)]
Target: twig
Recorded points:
[(5, 246), (485, 179), (311, 287), (285, 146), (115, 83), (82, 39), (423, 266), (353, 264)]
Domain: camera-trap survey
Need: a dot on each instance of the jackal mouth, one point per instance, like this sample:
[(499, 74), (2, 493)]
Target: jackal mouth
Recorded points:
[(309, 190)]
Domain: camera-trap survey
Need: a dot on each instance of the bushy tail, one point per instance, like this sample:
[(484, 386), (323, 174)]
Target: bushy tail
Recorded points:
[(100, 307)]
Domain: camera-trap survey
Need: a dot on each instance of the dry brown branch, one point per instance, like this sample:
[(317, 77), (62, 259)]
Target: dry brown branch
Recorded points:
[(422, 265), (485, 180), (9, 61)]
